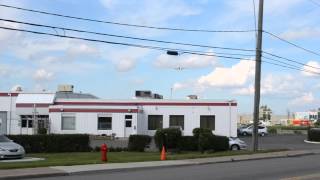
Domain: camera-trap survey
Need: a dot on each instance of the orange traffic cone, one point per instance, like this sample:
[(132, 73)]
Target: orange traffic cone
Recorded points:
[(163, 154)]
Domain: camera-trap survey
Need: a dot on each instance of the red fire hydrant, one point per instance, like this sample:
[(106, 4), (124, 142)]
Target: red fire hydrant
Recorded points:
[(104, 151)]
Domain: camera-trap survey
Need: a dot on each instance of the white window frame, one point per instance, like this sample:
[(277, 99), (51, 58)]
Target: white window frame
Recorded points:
[(68, 116)]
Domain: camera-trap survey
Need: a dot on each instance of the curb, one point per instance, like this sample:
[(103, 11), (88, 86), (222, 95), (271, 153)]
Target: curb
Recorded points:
[(179, 163), (187, 162), (36, 176), (311, 142)]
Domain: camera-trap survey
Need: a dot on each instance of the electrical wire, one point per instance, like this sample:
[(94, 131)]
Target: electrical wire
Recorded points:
[(291, 66), (315, 2), (287, 59), (181, 51), (126, 24), (134, 38), (149, 47), (288, 67), (293, 44)]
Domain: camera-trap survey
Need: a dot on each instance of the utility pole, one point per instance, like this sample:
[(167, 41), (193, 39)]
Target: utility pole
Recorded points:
[(257, 80)]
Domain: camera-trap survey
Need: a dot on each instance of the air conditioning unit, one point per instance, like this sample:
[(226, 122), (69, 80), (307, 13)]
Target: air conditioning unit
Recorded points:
[(65, 88), (144, 94)]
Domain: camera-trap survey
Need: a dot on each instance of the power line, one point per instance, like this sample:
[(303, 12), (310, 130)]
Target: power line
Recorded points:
[(134, 38), (293, 44), (276, 60), (145, 46), (288, 67), (126, 24), (287, 59), (124, 44), (315, 2)]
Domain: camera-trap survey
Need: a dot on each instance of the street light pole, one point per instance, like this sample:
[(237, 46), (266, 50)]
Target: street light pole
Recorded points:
[(257, 79)]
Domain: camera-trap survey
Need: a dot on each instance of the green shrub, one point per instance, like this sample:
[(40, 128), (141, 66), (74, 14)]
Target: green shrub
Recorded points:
[(188, 143), (204, 131), (138, 142), (317, 124), (169, 137), (42, 131), (294, 127), (204, 138), (272, 130), (314, 134), (219, 143), (53, 142)]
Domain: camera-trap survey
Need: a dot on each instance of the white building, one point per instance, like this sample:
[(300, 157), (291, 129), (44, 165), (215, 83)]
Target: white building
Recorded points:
[(69, 112)]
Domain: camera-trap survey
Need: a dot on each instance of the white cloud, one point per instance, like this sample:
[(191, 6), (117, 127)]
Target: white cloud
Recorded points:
[(306, 98), (125, 59), (235, 76), (302, 33), (109, 4), (184, 61), (4, 70), (81, 49), (310, 67), (146, 12), (179, 86), (125, 64), (42, 75), (32, 49), (274, 85)]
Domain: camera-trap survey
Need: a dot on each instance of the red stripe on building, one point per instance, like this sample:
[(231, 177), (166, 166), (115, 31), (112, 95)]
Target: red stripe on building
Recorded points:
[(94, 110), (9, 94), (144, 103), (30, 105)]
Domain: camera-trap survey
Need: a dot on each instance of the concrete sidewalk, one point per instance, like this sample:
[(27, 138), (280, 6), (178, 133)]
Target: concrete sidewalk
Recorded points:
[(113, 167)]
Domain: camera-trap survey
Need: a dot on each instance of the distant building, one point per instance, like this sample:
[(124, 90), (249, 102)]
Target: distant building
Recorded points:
[(305, 118)]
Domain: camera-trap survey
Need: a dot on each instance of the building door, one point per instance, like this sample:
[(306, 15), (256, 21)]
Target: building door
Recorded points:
[(128, 125), (3, 122)]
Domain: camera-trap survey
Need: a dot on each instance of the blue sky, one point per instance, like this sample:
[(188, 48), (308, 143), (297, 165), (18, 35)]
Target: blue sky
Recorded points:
[(38, 62)]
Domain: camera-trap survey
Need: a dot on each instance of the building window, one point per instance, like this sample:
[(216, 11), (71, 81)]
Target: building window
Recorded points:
[(128, 117), (155, 122), (176, 121), (207, 122), (104, 123), (128, 123), (68, 123), (26, 121)]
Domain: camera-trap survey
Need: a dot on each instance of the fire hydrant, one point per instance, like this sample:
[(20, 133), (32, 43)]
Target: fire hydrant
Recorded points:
[(104, 151)]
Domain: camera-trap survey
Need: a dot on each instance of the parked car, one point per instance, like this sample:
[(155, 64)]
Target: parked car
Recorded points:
[(9, 149), (262, 130), (236, 144)]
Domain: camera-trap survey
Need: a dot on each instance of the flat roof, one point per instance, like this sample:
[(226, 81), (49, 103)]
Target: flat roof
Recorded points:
[(35, 98)]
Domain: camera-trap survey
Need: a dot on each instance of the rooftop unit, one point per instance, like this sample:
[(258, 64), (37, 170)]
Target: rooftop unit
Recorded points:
[(147, 95), (65, 88), (192, 97)]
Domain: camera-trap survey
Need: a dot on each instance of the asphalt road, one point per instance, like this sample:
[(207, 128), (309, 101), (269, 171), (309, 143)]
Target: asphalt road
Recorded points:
[(305, 167), (292, 142)]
